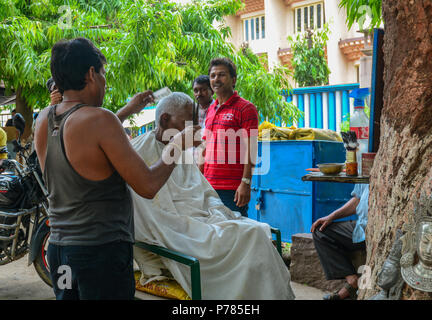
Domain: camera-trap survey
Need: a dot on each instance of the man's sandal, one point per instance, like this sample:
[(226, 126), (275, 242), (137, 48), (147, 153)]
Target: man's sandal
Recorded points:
[(335, 296)]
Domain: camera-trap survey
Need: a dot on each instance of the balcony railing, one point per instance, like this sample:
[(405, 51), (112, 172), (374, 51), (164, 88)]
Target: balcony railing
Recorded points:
[(324, 107)]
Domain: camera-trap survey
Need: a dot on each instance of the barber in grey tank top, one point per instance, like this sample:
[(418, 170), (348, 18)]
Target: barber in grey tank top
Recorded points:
[(87, 162)]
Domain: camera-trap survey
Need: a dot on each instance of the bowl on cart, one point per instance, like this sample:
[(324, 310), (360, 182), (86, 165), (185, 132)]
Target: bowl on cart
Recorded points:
[(330, 168)]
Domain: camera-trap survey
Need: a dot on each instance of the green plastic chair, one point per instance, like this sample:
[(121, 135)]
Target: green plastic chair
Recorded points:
[(192, 262)]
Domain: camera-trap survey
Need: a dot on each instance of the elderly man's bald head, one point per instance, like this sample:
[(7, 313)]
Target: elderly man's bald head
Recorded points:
[(177, 105)]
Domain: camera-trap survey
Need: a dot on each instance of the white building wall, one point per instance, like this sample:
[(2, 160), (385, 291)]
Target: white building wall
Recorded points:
[(280, 23), (276, 34), (236, 27), (342, 70)]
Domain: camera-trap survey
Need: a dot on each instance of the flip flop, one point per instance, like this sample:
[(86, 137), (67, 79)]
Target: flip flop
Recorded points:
[(335, 295)]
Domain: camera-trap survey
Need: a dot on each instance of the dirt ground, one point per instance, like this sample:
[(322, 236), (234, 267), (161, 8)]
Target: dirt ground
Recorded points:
[(21, 282)]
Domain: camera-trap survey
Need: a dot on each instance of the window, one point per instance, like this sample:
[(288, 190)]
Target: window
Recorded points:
[(254, 28), (305, 15), (246, 25), (309, 17), (298, 20), (319, 16)]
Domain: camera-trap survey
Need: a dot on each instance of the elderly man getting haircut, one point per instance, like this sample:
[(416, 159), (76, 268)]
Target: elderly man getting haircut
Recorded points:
[(237, 258)]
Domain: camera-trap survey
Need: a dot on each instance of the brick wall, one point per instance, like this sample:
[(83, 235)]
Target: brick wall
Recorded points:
[(251, 6)]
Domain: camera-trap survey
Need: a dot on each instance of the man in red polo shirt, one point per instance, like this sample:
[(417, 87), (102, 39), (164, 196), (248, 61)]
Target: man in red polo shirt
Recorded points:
[(231, 124)]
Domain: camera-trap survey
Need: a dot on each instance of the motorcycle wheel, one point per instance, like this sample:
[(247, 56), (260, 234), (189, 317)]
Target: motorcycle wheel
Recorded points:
[(41, 262)]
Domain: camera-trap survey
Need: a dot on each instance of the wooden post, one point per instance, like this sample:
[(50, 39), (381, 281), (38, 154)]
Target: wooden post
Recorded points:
[(377, 90)]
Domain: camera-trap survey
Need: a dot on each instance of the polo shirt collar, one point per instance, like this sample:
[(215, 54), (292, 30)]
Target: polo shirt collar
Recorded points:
[(229, 101)]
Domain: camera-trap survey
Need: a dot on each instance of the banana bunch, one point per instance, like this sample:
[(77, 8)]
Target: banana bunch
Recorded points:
[(271, 132)]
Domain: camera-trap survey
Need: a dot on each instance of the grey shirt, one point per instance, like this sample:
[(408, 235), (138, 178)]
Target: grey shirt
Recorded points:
[(82, 211)]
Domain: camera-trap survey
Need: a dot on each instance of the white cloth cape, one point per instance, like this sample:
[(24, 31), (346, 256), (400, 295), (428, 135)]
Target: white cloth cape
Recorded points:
[(237, 258)]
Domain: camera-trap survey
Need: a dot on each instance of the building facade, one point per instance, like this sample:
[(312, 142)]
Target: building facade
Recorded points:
[(264, 26)]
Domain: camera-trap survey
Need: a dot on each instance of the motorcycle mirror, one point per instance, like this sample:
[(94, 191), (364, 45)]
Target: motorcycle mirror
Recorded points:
[(19, 123), (16, 146)]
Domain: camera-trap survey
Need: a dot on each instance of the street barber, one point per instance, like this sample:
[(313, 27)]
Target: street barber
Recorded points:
[(87, 162)]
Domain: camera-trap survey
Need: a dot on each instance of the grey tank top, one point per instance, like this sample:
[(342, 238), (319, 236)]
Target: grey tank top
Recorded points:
[(83, 212)]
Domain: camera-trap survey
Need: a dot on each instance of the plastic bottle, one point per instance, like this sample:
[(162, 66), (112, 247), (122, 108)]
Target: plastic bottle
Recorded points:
[(359, 123)]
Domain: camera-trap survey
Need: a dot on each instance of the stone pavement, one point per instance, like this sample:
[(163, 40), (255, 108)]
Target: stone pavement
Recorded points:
[(305, 292), (21, 282), (302, 292)]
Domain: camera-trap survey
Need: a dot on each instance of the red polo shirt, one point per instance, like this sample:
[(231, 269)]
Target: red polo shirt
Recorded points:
[(227, 129)]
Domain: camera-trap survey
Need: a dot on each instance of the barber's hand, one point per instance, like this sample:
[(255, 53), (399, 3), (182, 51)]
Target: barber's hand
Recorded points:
[(180, 141), (190, 137), (323, 222), (56, 97), (242, 195), (139, 101)]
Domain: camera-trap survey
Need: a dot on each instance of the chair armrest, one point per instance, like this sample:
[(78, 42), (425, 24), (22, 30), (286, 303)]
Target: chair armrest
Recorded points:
[(192, 262), (278, 239)]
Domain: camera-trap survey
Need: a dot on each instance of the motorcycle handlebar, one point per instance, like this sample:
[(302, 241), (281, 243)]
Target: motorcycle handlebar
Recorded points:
[(10, 164), (7, 164), (18, 147)]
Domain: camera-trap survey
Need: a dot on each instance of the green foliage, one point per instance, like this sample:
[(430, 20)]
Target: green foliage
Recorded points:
[(258, 85), (148, 44), (345, 124), (309, 61), (360, 10)]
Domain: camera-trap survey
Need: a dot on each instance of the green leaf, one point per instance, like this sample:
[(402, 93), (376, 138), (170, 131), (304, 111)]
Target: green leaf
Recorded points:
[(148, 44)]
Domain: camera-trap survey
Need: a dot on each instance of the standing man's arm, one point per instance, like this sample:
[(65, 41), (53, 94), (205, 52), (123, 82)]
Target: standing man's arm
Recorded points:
[(56, 97), (243, 192), (249, 124)]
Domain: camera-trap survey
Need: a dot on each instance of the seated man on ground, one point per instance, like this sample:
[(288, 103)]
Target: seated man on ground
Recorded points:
[(236, 255), (334, 241)]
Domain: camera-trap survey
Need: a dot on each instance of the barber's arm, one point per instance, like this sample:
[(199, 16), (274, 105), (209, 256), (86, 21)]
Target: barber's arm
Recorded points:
[(145, 181), (135, 105), (348, 209)]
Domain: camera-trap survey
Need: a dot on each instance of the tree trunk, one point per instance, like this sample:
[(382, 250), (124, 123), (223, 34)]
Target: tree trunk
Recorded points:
[(26, 111), (403, 165)]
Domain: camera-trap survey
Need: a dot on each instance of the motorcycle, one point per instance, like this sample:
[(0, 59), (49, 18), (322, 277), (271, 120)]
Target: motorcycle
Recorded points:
[(24, 224)]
